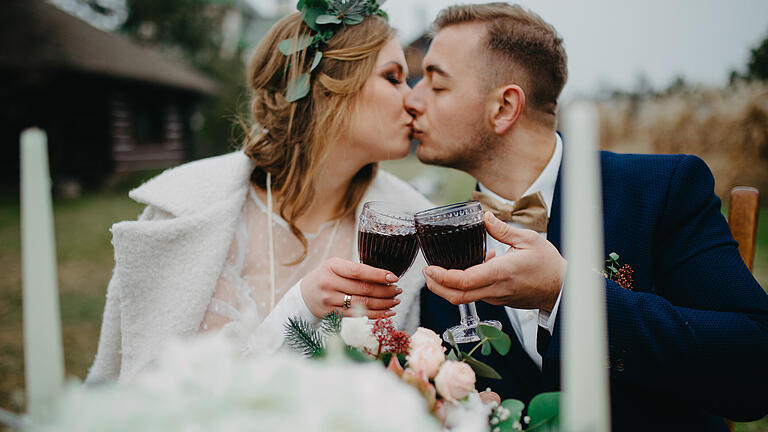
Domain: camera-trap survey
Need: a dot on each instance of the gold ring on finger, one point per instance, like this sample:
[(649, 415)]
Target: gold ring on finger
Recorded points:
[(347, 301)]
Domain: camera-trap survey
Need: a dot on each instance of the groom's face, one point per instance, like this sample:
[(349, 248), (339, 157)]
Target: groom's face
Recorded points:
[(448, 104)]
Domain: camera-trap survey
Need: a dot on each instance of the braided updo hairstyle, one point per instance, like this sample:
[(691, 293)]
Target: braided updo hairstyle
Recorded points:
[(291, 140)]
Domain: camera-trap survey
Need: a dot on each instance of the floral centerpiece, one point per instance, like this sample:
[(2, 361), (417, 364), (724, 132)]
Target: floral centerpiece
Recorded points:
[(446, 382)]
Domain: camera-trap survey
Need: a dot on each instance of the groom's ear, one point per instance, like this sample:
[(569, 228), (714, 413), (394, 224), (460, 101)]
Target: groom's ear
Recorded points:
[(507, 107)]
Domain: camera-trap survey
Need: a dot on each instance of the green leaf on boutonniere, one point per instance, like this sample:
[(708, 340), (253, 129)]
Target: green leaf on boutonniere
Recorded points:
[(500, 340), (515, 408), (327, 19), (544, 410), (481, 369), (298, 87), (292, 45), (613, 256)]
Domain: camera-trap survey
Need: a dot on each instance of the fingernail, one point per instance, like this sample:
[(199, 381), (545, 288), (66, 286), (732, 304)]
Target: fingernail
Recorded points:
[(397, 301), (391, 277), (389, 314), (398, 290), (428, 272)]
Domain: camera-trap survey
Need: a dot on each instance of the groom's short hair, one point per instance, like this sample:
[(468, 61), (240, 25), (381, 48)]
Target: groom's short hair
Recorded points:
[(516, 39)]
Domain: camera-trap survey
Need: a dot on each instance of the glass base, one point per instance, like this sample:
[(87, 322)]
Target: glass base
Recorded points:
[(465, 334)]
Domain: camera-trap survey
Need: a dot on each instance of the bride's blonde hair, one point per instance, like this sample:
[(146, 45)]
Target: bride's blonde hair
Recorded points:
[(291, 140)]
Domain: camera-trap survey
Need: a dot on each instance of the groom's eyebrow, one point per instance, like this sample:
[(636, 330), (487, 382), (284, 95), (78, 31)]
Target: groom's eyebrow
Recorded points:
[(433, 68)]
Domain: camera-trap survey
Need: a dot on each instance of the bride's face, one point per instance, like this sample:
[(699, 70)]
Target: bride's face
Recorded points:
[(380, 129)]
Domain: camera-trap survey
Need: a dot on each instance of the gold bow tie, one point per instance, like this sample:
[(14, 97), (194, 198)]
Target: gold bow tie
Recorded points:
[(529, 211)]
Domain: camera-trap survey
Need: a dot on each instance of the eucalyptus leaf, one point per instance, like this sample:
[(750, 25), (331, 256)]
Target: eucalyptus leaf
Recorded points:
[(452, 356), (486, 348), (310, 14), (316, 60), (515, 408), (451, 340), (613, 255), (327, 19), (298, 87), (353, 19), (481, 369), (544, 411), (500, 340), (292, 45)]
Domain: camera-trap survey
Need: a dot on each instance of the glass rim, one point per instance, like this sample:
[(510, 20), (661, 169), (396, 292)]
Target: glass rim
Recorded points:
[(389, 209), (447, 208)]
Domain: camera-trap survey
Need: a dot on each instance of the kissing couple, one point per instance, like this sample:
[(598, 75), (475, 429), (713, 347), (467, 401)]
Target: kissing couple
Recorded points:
[(239, 243)]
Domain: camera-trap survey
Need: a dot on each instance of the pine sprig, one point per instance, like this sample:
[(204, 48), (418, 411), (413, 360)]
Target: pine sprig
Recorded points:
[(303, 338), (331, 323)]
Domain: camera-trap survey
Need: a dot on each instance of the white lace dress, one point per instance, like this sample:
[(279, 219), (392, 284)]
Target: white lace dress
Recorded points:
[(243, 306)]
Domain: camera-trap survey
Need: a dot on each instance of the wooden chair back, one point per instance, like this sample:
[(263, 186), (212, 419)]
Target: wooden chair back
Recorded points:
[(742, 218)]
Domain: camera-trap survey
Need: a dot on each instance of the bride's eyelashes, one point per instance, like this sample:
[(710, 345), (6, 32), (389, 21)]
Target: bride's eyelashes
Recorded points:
[(393, 78)]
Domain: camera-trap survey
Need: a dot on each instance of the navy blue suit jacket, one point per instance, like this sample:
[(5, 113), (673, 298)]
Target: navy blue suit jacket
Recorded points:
[(689, 344)]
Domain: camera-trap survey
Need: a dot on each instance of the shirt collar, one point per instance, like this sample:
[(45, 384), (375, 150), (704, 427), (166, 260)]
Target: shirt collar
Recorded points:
[(544, 183)]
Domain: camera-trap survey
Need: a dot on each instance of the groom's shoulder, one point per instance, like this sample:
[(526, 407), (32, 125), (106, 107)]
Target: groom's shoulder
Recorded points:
[(649, 166)]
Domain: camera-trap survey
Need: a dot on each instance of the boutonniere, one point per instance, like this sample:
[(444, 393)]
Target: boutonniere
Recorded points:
[(619, 273)]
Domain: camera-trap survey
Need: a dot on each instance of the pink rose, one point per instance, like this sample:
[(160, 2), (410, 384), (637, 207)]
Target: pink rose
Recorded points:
[(424, 337), (426, 360), (455, 380)]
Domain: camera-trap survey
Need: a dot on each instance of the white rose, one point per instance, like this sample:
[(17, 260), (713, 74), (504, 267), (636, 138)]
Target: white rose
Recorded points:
[(455, 380), (424, 337), (427, 359), (356, 332)]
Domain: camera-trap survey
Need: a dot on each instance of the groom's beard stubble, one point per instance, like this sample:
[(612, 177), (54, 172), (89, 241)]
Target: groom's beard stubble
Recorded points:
[(469, 156)]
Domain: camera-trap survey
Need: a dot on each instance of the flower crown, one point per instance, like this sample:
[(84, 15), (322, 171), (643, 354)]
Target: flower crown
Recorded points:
[(324, 17)]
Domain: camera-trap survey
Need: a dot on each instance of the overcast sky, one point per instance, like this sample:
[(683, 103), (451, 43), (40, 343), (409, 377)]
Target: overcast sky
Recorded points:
[(611, 43)]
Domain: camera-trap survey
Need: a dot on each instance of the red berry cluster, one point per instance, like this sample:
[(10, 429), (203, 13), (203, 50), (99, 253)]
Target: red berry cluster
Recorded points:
[(390, 340), (624, 277)]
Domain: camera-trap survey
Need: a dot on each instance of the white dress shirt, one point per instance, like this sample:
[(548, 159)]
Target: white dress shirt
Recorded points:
[(525, 322)]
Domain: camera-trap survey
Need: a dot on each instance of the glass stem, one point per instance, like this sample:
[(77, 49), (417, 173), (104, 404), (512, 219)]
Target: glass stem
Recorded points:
[(468, 314)]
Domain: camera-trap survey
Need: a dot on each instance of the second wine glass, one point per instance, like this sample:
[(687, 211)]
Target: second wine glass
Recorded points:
[(387, 237), (453, 237)]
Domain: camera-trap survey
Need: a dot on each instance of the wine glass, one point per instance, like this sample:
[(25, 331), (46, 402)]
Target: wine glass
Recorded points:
[(453, 237), (387, 237)]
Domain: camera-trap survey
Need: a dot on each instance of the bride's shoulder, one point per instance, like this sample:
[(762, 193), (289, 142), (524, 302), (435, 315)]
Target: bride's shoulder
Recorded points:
[(200, 181), (388, 187)]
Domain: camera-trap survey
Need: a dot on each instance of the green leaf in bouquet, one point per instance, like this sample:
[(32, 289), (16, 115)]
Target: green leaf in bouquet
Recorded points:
[(486, 349), (355, 355), (302, 338), (515, 408), (500, 340), (481, 369), (452, 341), (613, 256), (292, 45), (331, 323), (452, 356), (544, 411)]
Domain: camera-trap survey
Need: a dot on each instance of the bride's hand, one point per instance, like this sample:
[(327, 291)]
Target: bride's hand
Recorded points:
[(325, 287)]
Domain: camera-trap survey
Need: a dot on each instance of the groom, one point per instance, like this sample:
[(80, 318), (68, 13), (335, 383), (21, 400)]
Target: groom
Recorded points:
[(688, 325)]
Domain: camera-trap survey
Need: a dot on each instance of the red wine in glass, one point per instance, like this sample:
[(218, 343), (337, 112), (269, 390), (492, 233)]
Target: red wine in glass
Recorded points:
[(453, 237), (387, 237)]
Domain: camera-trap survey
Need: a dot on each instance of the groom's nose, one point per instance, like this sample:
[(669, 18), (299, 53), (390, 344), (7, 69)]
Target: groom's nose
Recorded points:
[(414, 102)]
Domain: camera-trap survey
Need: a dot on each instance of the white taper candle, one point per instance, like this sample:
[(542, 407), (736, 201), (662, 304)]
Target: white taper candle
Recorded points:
[(44, 359), (586, 405)]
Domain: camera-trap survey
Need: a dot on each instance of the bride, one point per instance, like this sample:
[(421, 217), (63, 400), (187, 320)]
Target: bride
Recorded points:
[(241, 242)]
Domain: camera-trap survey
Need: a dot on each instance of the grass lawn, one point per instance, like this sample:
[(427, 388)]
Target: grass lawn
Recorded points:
[(85, 264)]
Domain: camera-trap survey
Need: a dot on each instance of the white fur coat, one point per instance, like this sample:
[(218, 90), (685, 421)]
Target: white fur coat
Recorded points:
[(168, 261)]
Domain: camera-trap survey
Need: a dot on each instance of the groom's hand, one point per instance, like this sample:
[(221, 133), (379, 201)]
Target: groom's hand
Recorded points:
[(528, 276)]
